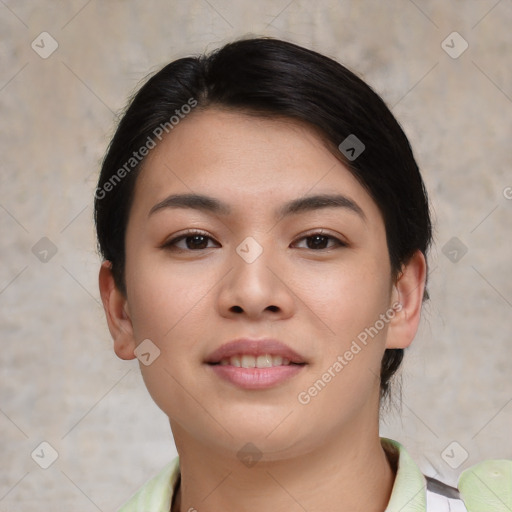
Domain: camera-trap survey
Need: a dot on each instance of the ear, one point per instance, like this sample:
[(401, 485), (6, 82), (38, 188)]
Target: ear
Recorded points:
[(116, 311), (408, 295)]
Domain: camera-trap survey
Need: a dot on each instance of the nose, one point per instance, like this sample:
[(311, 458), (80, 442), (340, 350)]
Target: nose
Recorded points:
[(255, 288)]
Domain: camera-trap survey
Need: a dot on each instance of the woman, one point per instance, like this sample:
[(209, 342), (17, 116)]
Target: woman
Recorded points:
[(264, 229)]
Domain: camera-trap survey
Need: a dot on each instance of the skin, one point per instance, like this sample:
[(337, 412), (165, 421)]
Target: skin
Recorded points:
[(325, 455)]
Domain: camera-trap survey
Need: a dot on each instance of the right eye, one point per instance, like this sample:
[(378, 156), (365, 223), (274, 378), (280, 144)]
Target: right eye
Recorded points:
[(190, 241)]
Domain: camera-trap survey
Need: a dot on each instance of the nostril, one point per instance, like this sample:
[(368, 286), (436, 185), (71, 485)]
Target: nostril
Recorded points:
[(238, 309)]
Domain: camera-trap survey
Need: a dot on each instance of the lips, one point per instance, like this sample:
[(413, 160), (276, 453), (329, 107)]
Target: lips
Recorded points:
[(255, 364)]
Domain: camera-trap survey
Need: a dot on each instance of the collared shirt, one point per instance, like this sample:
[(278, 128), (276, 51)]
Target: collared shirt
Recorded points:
[(410, 492)]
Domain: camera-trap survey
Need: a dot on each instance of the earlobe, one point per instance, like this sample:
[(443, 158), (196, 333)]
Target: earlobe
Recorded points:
[(408, 293), (117, 314)]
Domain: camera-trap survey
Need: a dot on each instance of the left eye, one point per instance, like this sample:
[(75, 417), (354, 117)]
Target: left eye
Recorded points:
[(319, 241)]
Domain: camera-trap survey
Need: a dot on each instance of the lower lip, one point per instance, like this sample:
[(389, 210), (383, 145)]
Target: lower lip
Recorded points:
[(256, 378)]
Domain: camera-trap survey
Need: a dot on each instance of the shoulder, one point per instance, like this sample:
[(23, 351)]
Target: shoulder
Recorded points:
[(156, 494), (483, 487), (487, 486)]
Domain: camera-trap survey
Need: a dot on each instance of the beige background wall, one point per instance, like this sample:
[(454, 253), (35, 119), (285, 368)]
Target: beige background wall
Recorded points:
[(60, 380)]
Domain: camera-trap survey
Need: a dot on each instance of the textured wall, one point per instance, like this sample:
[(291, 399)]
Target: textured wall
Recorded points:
[(62, 384)]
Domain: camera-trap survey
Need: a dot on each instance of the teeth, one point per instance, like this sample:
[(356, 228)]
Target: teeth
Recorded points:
[(264, 361), (278, 361), (249, 361)]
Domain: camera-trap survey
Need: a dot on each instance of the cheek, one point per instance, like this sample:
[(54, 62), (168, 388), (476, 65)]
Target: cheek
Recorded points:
[(168, 307), (345, 375), (163, 298), (350, 302), (347, 298)]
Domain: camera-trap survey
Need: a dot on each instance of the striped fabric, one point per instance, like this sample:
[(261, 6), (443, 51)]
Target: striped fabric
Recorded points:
[(443, 498), (439, 503)]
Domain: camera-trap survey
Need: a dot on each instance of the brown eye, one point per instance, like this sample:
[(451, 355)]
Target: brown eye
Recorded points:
[(317, 241), (320, 241), (194, 241)]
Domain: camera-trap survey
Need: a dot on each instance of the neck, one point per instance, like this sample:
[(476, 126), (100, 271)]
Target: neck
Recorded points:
[(347, 472)]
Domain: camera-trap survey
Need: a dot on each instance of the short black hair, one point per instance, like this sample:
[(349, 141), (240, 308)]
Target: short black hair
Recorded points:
[(273, 78)]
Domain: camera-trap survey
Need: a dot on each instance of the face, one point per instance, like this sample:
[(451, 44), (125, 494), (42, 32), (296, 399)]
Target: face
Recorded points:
[(259, 260)]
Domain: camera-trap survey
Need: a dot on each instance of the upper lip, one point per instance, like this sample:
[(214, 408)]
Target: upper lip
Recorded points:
[(254, 347)]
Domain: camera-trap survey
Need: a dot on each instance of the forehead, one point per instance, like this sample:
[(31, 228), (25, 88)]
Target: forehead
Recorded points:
[(244, 160)]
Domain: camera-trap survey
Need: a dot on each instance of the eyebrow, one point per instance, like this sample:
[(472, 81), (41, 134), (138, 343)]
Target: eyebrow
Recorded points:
[(299, 205), (195, 201), (309, 203)]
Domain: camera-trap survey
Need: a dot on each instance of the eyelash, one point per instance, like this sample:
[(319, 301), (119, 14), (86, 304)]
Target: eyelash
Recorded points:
[(171, 244)]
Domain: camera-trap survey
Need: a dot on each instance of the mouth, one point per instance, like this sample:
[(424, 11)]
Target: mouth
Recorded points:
[(251, 361), (255, 364)]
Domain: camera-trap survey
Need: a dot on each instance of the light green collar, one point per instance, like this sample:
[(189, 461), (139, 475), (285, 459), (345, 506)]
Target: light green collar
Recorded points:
[(156, 494), (408, 494)]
